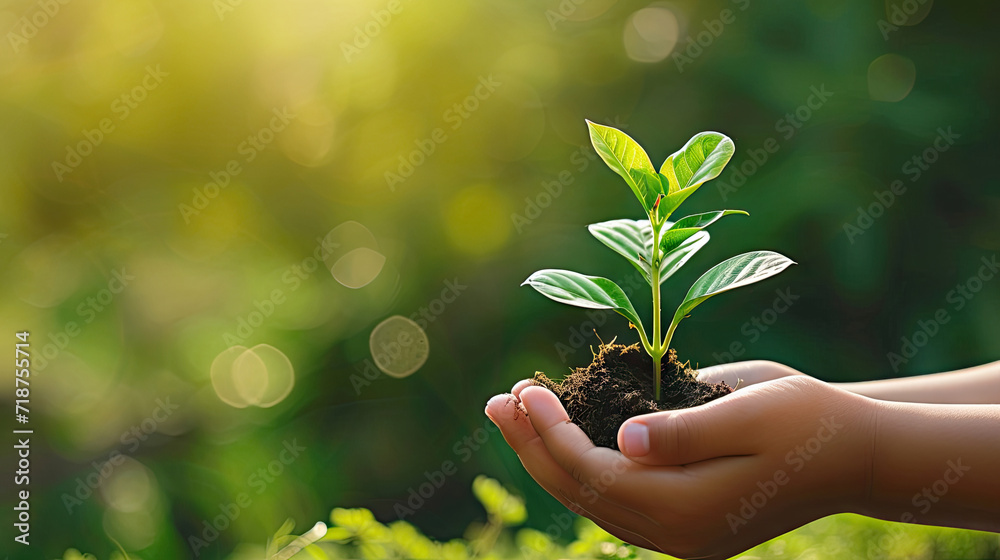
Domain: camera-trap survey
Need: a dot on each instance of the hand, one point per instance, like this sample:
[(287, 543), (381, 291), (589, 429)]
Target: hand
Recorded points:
[(741, 374), (709, 481)]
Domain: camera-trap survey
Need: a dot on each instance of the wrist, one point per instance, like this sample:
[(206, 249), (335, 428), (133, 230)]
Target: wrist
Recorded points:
[(844, 484), (934, 464), (861, 461)]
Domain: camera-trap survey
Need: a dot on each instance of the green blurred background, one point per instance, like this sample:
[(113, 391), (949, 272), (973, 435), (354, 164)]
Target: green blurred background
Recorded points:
[(499, 91)]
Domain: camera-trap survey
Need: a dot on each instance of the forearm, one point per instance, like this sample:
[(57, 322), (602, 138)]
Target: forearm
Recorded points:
[(978, 385), (936, 464)]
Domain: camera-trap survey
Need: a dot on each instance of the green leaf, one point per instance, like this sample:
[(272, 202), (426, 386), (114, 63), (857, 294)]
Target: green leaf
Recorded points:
[(652, 182), (676, 258), (633, 239), (316, 552), (591, 292), (355, 520), (671, 201), (738, 271), (701, 159), (498, 502), (690, 225), (337, 534), (627, 158)]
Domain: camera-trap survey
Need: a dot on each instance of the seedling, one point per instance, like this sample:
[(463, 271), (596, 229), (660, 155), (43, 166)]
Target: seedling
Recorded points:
[(656, 246)]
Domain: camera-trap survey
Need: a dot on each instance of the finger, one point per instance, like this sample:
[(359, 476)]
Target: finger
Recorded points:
[(520, 386), (601, 469), (721, 428), (742, 374), (624, 534), (626, 526), (519, 433), (521, 436), (507, 413), (724, 373)]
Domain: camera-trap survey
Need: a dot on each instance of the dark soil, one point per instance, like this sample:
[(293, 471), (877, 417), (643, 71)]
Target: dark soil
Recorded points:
[(618, 385)]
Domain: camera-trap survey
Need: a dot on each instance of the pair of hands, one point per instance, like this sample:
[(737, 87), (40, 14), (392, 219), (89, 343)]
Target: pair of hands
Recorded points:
[(710, 481)]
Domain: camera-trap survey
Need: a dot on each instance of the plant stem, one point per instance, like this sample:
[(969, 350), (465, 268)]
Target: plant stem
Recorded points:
[(645, 341), (670, 334), (657, 361), (654, 265)]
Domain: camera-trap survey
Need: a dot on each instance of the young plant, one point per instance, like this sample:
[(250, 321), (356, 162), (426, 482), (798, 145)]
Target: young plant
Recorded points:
[(656, 246)]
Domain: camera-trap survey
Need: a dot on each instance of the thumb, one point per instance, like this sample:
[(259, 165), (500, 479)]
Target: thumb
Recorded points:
[(724, 427)]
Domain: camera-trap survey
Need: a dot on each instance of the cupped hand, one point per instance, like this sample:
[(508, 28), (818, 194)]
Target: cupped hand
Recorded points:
[(709, 481)]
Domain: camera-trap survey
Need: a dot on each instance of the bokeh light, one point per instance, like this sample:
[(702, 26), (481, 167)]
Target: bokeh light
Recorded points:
[(891, 77), (133, 498), (280, 375), (250, 377), (130, 487), (261, 376), (651, 34), (352, 255), (399, 346)]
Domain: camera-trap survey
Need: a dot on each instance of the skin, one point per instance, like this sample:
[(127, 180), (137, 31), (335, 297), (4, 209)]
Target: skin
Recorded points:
[(782, 450)]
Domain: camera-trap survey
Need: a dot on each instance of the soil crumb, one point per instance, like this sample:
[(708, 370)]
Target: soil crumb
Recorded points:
[(618, 385)]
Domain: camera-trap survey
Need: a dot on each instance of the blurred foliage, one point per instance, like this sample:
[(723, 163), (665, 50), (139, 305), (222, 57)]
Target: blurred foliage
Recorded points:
[(355, 533), (173, 175)]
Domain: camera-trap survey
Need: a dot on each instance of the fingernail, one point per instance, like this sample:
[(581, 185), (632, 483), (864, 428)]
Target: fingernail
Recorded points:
[(635, 439), (520, 386), (493, 403), (543, 406)]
